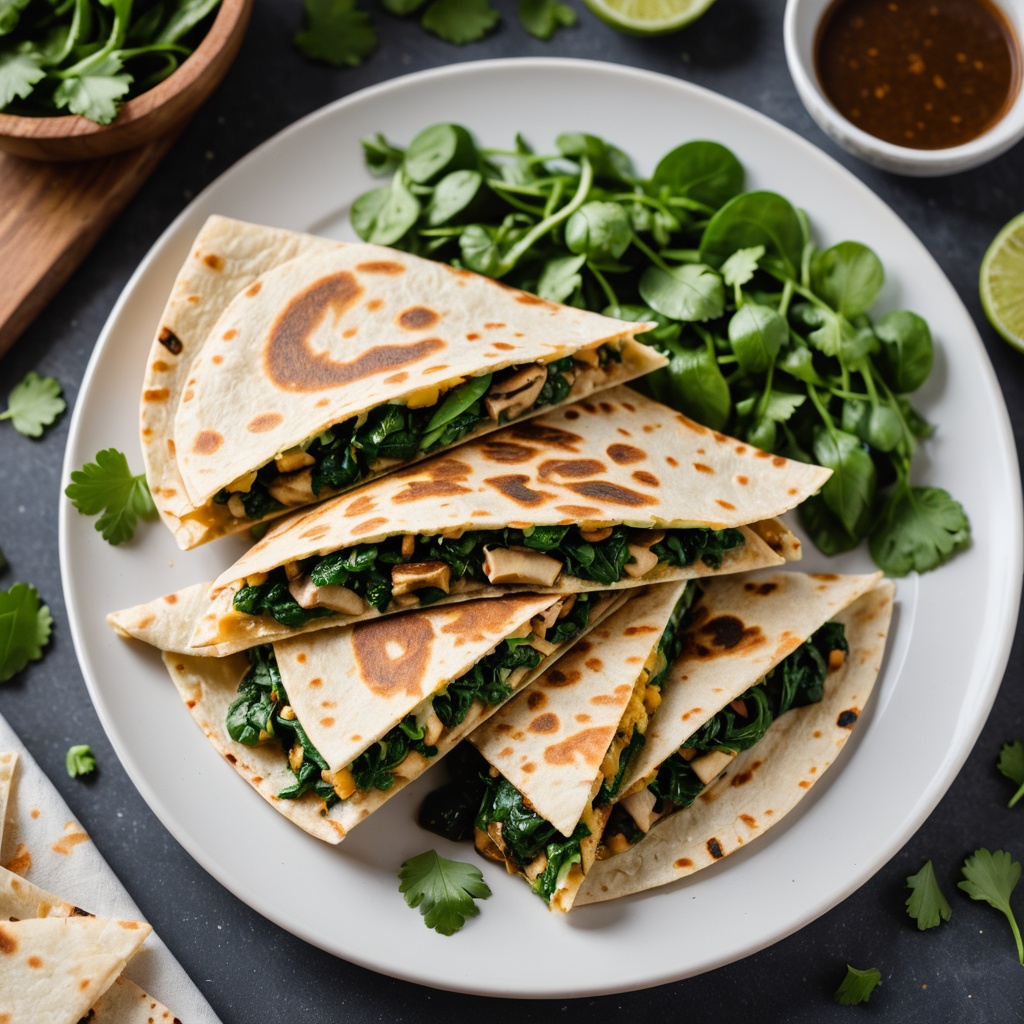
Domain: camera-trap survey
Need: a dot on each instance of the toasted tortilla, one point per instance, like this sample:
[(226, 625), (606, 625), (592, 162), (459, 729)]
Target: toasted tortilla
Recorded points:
[(620, 459), (53, 969), (8, 762), (125, 1003), (21, 899), (311, 333), (373, 666), (550, 740), (762, 784)]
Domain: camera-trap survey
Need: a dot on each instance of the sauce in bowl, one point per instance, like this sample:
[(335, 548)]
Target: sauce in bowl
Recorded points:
[(927, 74)]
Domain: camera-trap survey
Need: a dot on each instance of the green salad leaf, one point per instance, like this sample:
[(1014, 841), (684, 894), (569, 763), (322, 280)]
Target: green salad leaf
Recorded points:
[(992, 877), (857, 986), (1011, 764), (33, 404), (926, 904), (109, 489), (80, 760), (920, 529), (443, 889), (25, 627)]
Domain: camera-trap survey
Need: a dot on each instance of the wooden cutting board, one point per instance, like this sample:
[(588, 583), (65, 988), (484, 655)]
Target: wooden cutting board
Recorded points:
[(51, 215)]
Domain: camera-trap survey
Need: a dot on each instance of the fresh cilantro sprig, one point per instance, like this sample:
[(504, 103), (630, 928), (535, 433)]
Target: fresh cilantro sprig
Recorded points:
[(25, 627), (926, 904), (992, 877), (1011, 764), (337, 33), (80, 760), (460, 21), (443, 889), (109, 487), (857, 986), (33, 404)]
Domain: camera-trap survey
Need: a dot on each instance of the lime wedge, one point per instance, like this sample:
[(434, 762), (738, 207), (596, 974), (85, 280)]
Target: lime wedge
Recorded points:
[(648, 17), (1001, 282)]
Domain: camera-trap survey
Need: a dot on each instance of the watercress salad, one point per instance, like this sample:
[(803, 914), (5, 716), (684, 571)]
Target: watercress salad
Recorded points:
[(769, 336)]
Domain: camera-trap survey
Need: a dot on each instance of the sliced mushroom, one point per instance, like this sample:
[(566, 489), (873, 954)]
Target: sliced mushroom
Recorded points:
[(544, 646), (288, 462), (339, 599), (434, 728), (417, 575), (644, 560), (640, 806), (515, 394), (711, 765), (293, 488), (596, 536), (237, 507), (540, 624), (413, 764), (567, 606), (520, 565), (292, 570), (536, 866), (408, 545)]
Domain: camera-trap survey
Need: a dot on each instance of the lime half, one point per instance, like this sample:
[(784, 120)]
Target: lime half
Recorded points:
[(648, 17), (1001, 282)]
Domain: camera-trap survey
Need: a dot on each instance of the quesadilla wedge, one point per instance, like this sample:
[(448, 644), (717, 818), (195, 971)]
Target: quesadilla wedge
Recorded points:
[(328, 727), (339, 361), (750, 763), (558, 751), (618, 492)]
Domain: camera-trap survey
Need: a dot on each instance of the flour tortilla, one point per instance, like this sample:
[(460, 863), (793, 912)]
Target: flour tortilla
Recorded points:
[(226, 257), (550, 740), (764, 783), (8, 762), (620, 459), (386, 686), (311, 333), (53, 969)]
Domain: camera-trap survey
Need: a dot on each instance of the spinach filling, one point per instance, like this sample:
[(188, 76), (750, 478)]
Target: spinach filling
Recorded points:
[(796, 681), (366, 568), (255, 714), (347, 453)]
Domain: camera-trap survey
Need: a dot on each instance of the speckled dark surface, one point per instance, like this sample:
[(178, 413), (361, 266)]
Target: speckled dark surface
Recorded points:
[(252, 971)]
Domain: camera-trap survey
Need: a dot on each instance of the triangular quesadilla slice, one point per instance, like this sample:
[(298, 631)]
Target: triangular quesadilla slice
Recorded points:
[(618, 492), (125, 1003), (559, 750), (328, 727), (357, 358), (751, 762), (53, 969), (21, 899)]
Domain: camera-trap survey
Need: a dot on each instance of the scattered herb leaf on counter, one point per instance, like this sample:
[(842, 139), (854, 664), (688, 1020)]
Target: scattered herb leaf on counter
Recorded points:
[(926, 904), (33, 404), (769, 337), (90, 56), (857, 986), (460, 21), (543, 18), (992, 877), (337, 33), (80, 760), (109, 487), (1011, 764), (443, 889), (25, 627)]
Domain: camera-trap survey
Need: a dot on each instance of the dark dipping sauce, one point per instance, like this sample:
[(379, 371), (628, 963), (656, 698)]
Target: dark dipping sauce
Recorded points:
[(927, 74)]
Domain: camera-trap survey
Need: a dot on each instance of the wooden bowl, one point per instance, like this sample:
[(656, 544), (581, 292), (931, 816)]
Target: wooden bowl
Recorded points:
[(159, 111)]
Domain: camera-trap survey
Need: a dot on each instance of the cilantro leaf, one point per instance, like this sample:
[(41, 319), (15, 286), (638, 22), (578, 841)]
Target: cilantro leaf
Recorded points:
[(460, 21), (107, 486), (400, 8), (543, 18), (1011, 764), (19, 73), (920, 529), (96, 93), (926, 904), (25, 627), (337, 33), (445, 888), (741, 266), (992, 877), (33, 404), (857, 986), (80, 760)]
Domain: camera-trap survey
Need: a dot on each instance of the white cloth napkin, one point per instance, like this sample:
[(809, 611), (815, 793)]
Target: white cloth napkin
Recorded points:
[(43, 843)]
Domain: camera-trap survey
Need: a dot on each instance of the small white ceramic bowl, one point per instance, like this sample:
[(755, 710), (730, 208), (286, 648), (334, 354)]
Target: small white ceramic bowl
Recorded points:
[(800, 30)]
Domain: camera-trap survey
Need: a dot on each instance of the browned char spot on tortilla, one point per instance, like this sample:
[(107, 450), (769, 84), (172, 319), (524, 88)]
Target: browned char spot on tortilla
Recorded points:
[(397, 378), (588, 744), (478, 621), (207, 442), (514, 487), (507, 451), (535, 700), (579, 511), (848, 719), (292, 364), (742, 778), (575, 469), (763, 589), (8, 942), (558, 677), (315, 532), (170, 341), (640, 630), (254, 289), (368, 526), (393, 654), (441, 478), (625, 454), (641, 476), (213, 261), (156, 394), (264, 422), (542, 434), (684, 862), (381, 267), (615, 494), (360, 506), (418, 318), (544, 724), (715, 849), (724, 634)]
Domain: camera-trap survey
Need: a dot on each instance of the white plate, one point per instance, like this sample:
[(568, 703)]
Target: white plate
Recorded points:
[(950, 640)]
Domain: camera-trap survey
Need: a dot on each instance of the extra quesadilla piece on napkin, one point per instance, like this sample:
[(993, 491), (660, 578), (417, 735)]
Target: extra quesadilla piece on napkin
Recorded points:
[(328, 727), (53, 969), (616, 492), (125, 1003), (21, 899), (358, 358), (560, 748), (826, 682), (226, 257)]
